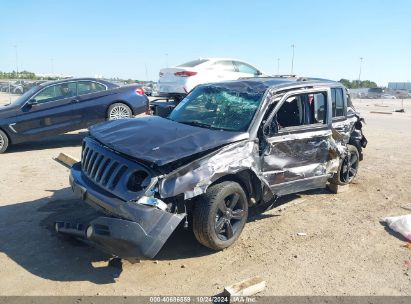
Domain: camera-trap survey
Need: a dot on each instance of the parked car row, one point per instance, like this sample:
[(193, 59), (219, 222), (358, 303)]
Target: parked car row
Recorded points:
[(19, 86), (379, 93)]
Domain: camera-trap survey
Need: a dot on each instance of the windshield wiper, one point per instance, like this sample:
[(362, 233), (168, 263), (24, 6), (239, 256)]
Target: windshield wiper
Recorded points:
[(199, 124), (195, 123)]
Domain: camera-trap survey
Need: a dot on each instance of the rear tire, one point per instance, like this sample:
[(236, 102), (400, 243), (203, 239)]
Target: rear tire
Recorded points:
[(119, 110), (4, 142), (220, 214), (348, 167)]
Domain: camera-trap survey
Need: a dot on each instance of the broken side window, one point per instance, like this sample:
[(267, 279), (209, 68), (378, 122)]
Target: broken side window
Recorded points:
[(303, 109)]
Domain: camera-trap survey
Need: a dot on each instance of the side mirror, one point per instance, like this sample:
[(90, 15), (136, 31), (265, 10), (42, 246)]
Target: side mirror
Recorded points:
[(258, 73), (271, 128), (32, 102)]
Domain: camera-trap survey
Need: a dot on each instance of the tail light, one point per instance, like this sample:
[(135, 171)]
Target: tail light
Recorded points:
[(140, 91), (185, 74)]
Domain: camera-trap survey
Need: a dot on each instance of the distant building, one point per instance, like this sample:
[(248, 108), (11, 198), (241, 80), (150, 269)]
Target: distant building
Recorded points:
[(399, 86)]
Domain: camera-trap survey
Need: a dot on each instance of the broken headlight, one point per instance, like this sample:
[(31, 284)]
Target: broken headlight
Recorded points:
[(138, 181)]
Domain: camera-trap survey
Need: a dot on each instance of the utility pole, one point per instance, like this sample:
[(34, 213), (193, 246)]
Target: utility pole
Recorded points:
[(278, 66), (17, 60), (292, 60), (359, 75)]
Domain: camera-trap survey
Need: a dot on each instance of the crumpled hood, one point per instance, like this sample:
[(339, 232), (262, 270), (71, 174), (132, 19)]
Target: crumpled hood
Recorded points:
[(159, 140)]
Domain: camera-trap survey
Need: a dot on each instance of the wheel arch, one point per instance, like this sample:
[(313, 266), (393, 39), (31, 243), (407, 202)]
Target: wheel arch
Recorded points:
[(7, 134), (120, 101), (248, 180)]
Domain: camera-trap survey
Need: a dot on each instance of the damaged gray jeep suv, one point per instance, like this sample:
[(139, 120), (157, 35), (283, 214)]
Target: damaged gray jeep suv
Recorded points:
[(225, 148)]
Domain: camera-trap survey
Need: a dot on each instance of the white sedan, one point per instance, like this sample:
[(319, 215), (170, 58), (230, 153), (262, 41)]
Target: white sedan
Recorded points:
[(180, 80), (388, 96)]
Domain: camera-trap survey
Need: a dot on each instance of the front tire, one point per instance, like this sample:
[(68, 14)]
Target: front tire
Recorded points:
[(119, 110), (348, 167), (4, 142), (220, 214)]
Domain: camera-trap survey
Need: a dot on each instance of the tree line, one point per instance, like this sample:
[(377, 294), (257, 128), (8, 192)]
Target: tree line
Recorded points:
[(23, 75), (357, 84)]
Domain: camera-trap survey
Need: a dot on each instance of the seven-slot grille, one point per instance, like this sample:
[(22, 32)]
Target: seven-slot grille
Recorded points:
[(107, 169), (101, 168)]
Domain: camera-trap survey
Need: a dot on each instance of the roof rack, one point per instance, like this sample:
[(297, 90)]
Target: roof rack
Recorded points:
[(271, 76), (284, 76)]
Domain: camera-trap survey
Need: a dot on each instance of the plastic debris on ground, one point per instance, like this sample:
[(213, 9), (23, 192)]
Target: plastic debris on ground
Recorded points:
[(400, 224)]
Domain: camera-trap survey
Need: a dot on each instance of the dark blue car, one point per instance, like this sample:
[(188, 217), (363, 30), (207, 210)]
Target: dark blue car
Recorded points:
[(67, 105)]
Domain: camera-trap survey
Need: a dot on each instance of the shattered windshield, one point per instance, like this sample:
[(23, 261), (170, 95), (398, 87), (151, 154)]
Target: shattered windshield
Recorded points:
[(216, 107)]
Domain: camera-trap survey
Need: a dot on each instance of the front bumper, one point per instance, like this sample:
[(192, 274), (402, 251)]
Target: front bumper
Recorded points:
[(130, 230)]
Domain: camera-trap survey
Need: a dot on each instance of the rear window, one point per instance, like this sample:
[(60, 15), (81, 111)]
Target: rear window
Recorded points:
[(338, 105), (87, 87), (193, 63), (225, 66)]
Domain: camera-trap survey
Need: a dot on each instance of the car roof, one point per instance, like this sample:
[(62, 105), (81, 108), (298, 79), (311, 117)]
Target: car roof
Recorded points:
[(261, 84), (222, 59), (75, 79)]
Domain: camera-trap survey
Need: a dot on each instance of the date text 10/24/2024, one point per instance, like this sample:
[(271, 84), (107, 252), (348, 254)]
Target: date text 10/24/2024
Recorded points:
[(202, 299)]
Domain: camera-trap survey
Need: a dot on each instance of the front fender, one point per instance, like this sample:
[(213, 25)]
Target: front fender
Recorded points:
[(194, 178)]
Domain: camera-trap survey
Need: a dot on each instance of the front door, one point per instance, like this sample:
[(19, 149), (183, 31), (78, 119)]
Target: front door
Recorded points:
[(298, 143)]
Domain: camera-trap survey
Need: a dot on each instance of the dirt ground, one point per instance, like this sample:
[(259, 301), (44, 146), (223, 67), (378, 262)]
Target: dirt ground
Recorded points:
[(346, 250)]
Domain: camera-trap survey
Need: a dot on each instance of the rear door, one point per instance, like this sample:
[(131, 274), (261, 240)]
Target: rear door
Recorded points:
[(298, 142), (53, 110), (91, 100)]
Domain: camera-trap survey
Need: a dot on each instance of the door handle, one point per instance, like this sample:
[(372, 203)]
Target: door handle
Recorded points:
[(75, 101)]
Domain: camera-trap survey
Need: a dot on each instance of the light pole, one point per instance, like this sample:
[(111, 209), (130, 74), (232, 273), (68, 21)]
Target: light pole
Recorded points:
[(17, 60), (359, 75), (292, 59)]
